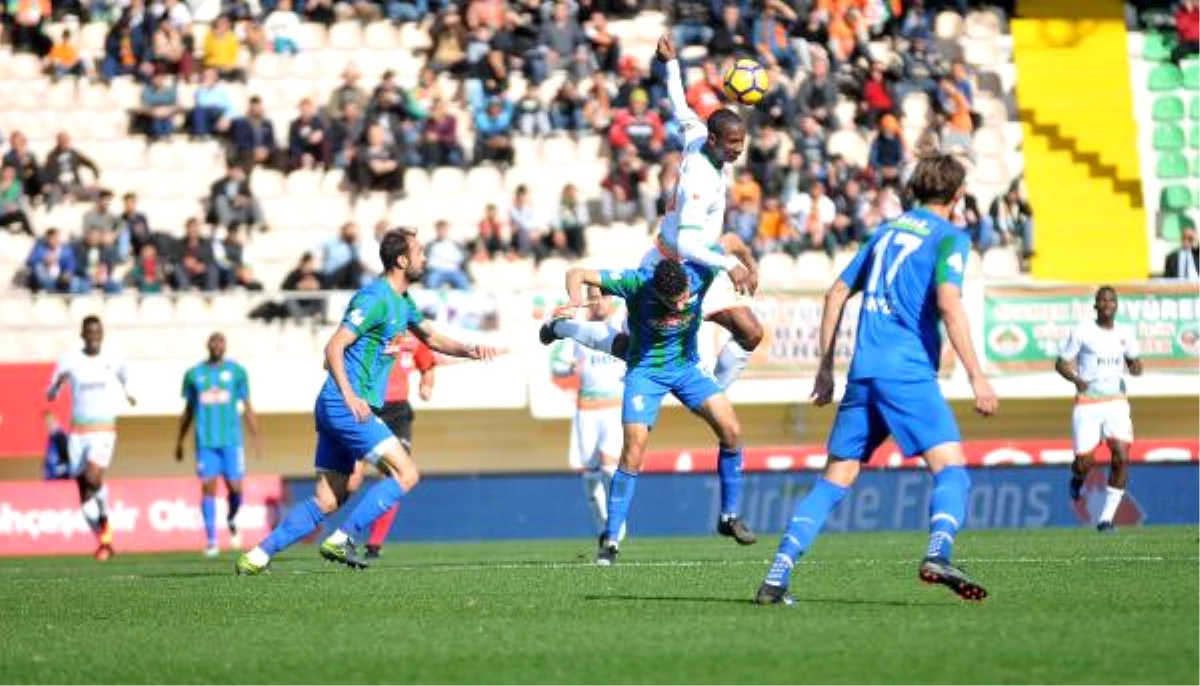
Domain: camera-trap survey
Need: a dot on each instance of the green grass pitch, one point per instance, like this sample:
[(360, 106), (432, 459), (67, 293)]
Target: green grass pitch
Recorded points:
[(1067, 606)]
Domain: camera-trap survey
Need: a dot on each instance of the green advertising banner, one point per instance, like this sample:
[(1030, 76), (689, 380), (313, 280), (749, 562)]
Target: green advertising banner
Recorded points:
[(1023, 327)]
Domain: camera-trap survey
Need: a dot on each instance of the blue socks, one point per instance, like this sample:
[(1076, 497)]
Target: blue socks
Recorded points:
[(620, 496), (947, 510), (374, 503), (806, 523), (235, 504), (301, 521), (208, 508), (729, 468)]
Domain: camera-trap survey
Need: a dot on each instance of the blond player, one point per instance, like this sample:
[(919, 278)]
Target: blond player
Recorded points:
[(596, 431), (692, 231), (1095, 357), (98, 391)]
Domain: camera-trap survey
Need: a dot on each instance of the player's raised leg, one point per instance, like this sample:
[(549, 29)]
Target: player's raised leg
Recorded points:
[(745, 335)]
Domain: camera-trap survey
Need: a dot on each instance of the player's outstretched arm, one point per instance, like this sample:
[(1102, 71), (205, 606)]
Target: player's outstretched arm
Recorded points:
[(958, 330), (577, 278), (449, 346), (679, 106)]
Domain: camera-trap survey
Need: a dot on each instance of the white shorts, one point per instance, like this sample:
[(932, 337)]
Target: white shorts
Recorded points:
[(721, 294), (595, 433), (96, 447), (1092, 423)]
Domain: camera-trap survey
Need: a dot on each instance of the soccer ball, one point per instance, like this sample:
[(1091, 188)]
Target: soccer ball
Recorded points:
[(746, 81)]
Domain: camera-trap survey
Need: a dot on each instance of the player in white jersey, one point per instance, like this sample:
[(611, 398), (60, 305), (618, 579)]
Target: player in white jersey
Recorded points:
[(98, 391), (692, 231), (1095, 357), (596, 431)]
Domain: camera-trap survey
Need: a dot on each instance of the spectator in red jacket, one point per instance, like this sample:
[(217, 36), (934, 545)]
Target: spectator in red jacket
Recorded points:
[(1187, 24), (877, 94), (639, 128)]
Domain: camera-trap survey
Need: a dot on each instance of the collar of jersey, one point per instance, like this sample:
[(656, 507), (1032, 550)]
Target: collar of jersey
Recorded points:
[(706, 151)]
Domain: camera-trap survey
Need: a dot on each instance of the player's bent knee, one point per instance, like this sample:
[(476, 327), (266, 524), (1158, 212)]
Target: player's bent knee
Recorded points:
[(750, 335), (730, 434)]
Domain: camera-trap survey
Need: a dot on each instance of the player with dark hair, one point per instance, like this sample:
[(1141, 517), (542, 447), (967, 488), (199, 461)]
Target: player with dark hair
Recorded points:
[(692, 231), (664, 318), (1095, 358), (214, 390), (910, 274), (348, 429), (98, 383)]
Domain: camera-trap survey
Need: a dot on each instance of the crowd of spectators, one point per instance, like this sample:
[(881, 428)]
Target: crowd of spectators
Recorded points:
[(795, 191)]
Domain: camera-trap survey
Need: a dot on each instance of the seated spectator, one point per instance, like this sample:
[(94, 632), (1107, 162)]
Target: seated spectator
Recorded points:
[(493, 235), (705, 96), (774, 232), (962, 81), (810, 143), (308, 139), (566, 109), (1013, 219), (377, 166), (731, 36), (160, 104), (847, 36), (638, 128), (51, 264), (528, 232), (231, 202), (445, 260), (171, 53), (95, 263), (851, 206), (126, 52), (620, 195), (605, 45), (887, 154), (877, 95), (148, 274), (817, 96), (812, 215), (691, 22), (493, 129), (177, 14), (440, 146), (1183, 263), (978, 224), (489, 79), (14, 206), (347, 132), (531, 118), (598, 103), (448, 51), (22, 159), (567, 228), (305, 277), (281, 27), (62, 177), (347, 91), (135, 229), (745, 187), (100, 217), (214, 112), (193, 265), (231, 261), (64, 59), (770, 32), (221, 51), (918, 71), (956, 134), (1187, 29), (742, 220), (402, 11), (341, 266), (24, 22), (560, 37), (252, 139)]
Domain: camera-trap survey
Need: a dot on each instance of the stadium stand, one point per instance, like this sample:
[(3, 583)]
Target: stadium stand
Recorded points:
[(471, 112)]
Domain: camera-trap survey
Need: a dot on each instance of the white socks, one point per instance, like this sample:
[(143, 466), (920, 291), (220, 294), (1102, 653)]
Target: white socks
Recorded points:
[(732, 359), (258, 557), (594, 335), (91, 513), (338, 537), (1112, 500), (596, 486)]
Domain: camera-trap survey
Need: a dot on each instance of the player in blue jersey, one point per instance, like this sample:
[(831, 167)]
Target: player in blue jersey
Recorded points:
[(213, 391), (662, 357), (910, 274), (359, 359)]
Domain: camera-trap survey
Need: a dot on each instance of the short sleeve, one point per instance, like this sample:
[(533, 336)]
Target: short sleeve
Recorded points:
[(62, 368), (242, 389), (1069, 350), (1132, 350), (854, 272), (361, 313), (415, 316), (952, 253), (621, 283), (188, 389)]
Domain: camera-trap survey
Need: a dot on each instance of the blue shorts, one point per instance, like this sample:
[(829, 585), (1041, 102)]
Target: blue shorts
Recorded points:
[(342, 440), (229, 462), (645, 388), (913, 412)]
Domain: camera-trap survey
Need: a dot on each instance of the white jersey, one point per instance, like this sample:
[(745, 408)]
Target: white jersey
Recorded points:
[(97, 388), (1101, 355), (696, 207), (601, 376)]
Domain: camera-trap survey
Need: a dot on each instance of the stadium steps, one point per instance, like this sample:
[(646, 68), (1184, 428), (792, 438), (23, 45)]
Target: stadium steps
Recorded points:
[(1081, 165)]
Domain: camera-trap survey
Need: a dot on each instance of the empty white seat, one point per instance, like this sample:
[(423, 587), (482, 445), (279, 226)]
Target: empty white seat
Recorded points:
[(380, 35), (192, 309), (560, 150), (121, 310), (552, 272), (156, 310), (345, 35), (50, 310), (447, 183), (776, 270), (813, 267), (1000, 264)]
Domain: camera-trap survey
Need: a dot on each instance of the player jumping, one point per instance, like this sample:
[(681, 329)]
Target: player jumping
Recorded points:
[(595, 444), (213, 389), (96, 378), (691, 231), (348, 429), (397, 413), (1094, 358), (910, 274), (664, 318)]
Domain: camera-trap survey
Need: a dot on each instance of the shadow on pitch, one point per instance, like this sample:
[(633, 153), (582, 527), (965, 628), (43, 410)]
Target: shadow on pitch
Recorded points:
[(748, 601)]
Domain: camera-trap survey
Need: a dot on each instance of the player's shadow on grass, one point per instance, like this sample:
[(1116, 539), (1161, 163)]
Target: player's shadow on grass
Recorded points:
[(748, 600)]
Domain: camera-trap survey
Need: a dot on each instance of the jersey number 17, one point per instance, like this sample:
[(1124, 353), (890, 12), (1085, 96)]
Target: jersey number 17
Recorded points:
[(892, 248)]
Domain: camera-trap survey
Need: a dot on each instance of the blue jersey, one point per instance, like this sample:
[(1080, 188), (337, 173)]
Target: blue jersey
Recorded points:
[(659, 337), (898, 272), (213, 392), (376, 314)]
